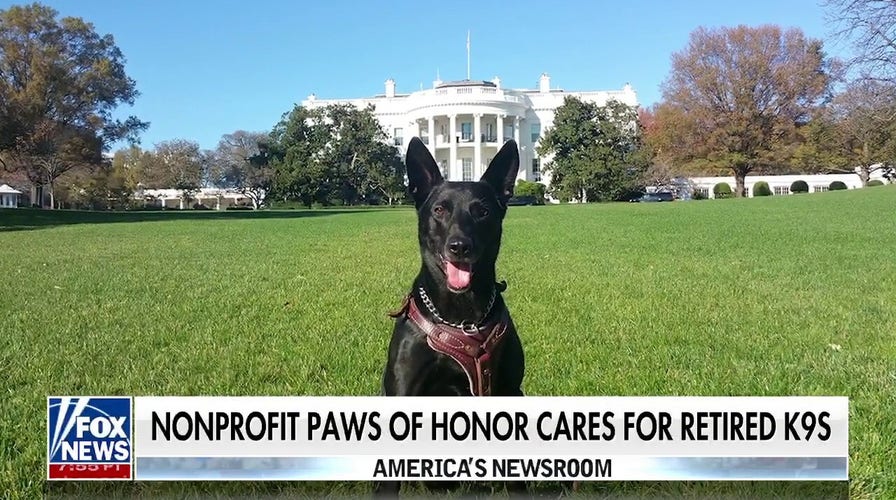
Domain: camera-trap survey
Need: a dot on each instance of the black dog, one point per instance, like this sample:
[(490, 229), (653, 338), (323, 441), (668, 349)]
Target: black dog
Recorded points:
[(453, 335)]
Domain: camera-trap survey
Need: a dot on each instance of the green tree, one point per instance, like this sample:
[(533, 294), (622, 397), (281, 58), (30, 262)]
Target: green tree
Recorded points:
[(336, 154), (363, 163), (594, 151), (60, 84), (741, 95), (296, 147)]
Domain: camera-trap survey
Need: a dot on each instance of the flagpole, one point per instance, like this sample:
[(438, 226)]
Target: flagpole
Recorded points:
[(468, 54)]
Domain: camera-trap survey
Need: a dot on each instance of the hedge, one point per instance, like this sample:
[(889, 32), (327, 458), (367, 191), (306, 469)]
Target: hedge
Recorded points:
[(722, 190), (799, 187), (761, 189)]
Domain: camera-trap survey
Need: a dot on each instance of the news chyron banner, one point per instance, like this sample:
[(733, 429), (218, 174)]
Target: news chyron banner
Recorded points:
[(450, 438)]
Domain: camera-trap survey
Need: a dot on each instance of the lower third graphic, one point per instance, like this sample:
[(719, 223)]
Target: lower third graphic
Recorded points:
[(89, 438)]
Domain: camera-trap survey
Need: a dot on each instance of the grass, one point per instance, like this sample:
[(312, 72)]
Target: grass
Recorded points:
[(725, 297)]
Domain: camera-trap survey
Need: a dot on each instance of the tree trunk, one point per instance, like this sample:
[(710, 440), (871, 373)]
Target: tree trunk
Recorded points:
[(52, 196), (740, 177), (865, 174)]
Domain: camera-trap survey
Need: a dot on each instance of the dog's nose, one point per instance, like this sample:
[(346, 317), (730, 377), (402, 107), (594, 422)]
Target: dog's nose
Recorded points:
[(460, 247)]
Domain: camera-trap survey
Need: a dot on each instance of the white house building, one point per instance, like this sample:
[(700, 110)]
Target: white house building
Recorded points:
[(465, 122), (780, 184)]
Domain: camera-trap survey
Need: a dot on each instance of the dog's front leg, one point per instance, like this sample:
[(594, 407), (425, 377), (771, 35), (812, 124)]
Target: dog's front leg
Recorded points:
[(386, 489), (401, 378)]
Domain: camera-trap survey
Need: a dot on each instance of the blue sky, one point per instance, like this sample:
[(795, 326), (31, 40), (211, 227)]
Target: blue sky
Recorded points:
[(208, 68)]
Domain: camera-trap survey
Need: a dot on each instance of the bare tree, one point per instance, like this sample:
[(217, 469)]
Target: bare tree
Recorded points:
[(177, 164), (869, 27), (240, 162), (862, 121)]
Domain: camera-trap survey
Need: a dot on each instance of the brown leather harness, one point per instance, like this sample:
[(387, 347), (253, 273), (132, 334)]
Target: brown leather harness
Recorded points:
[(476, 352)]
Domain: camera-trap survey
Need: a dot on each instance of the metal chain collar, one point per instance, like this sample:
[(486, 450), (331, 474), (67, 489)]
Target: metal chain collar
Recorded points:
[(467, 327)]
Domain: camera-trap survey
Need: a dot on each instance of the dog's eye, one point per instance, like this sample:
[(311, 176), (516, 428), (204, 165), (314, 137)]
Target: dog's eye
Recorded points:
[(439, 211), (479, 211)]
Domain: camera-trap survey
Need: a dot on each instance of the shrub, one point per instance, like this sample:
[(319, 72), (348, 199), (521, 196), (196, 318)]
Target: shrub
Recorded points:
[(287, 205), (528, 188), (761, 189), (722, 190), (837, 186), (875, 182), (799, 187)]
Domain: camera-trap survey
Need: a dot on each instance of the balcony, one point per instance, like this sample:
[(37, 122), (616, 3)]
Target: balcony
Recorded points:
[(468, 139), (479, 93), (424, 100)]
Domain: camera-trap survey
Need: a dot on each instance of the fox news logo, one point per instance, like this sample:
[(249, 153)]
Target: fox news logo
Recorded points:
[(89, 438)]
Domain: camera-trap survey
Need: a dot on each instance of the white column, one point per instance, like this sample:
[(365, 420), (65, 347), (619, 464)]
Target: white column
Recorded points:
[(500, 127), (453, 171), (516, 129), (477, 146), (413, 131), (432, 135), (431, 123)]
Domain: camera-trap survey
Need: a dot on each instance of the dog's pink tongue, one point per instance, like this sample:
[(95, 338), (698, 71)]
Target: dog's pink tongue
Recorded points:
[(458, 274)]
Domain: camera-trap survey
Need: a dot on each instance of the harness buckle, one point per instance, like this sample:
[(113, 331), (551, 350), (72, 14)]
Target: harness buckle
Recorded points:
[(469, 329)]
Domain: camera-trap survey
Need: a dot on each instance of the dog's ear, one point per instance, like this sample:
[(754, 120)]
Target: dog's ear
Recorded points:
[(501, 172), (423, 172)]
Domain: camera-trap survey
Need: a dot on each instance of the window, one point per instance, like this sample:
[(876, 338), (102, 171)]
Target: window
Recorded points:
[(702, 192), (398, 140), (819, 189), (444, 129), (536, 131), (468, 169), (536, 170), (443, 166), (466, 131), (779, 190), (508, 132), (490, 132)]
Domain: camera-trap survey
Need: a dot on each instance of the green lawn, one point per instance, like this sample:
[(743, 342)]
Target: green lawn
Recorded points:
[(723, 297)]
